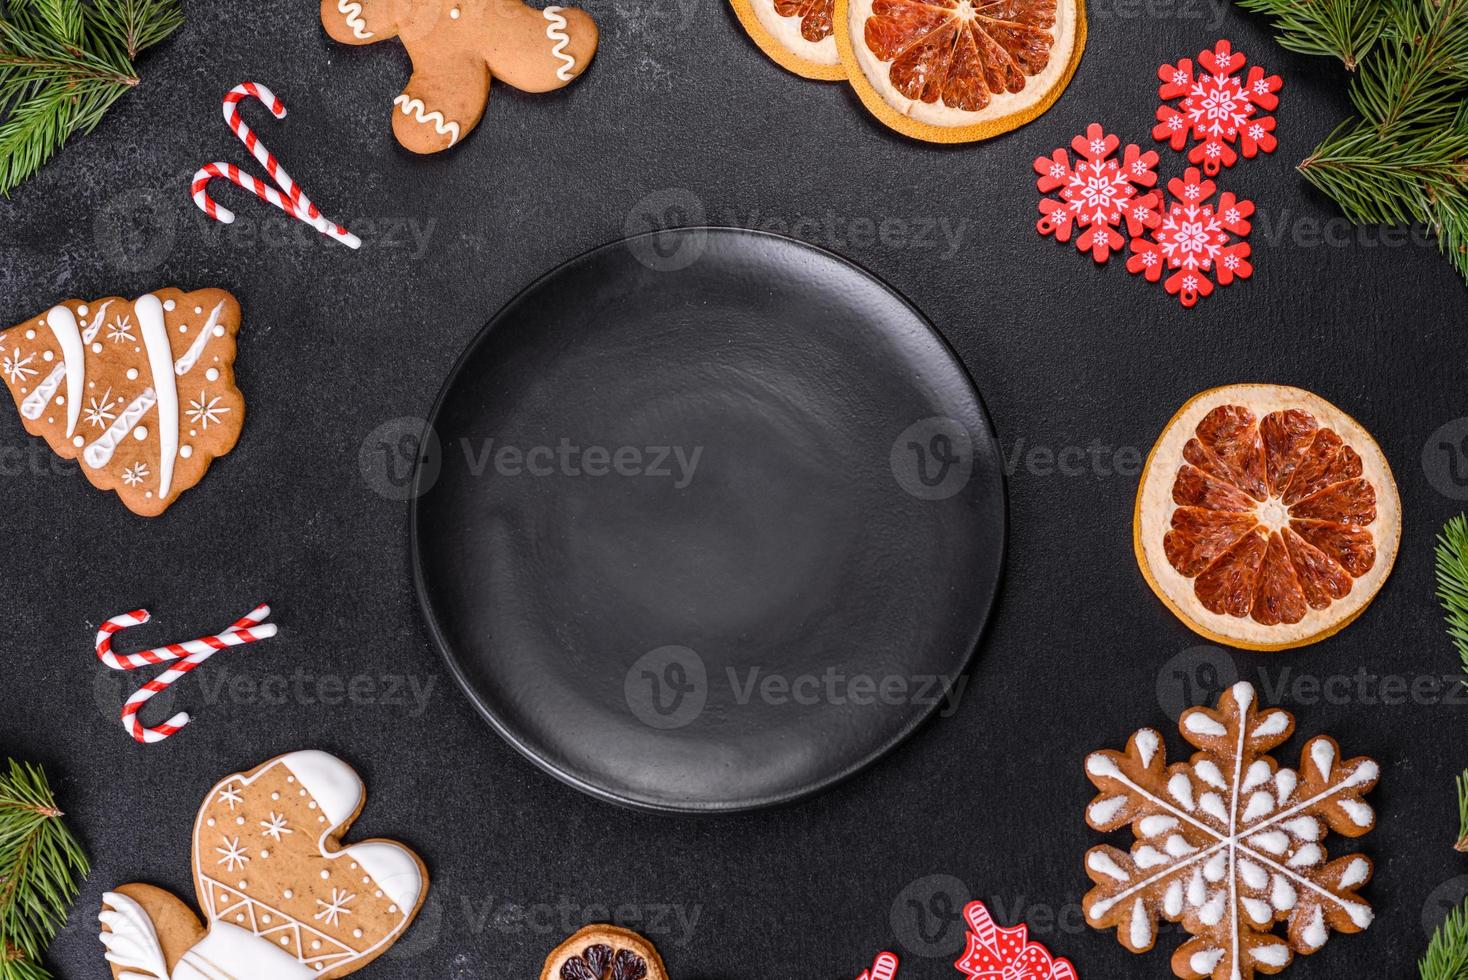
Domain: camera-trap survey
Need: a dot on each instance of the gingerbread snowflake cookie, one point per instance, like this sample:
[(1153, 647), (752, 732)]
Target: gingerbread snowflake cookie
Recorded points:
[(1229, 843), (458, 48), (140, 392), (281, 898)]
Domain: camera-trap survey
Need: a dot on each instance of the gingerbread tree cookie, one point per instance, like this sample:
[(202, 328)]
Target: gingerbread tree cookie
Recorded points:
[(140, 392), (1229, 843), (281, 898), (458, 47)]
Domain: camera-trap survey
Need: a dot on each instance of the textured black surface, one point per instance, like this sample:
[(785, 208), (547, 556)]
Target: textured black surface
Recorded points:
[(656, 520), (337, 344)]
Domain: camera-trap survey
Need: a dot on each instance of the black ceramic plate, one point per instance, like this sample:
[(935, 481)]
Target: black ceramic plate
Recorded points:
[(714, 518)]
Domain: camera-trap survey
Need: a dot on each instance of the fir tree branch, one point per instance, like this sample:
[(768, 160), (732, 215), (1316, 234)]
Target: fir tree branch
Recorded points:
[(1345, 29), (1452, 581), (40, 864), (1462, 844), (1447, 954), (63, 63)]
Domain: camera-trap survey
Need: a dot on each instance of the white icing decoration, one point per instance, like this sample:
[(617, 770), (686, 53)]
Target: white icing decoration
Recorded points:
[(556, 31), (1260, 911), (229, 951), (160, 362), (1101, 862), (185, 452), (99, 453), (1180, 788), (1172, 899), (393, 869), (1271, 842), (1210, 774), (36, 402), (1215, 867), (1254, 876), (1285, 782), (1104, 811), (1257, 775), (1148, 742), (1200, 724), (1155, 825), (1314, 933), (1365, 773), (1360, 813), (1259, 805), (1307, 856), (1322, 753), (1148, 857), (1177, 845), (1272, 724), (212, 374), (415, 108), (1281, 895), (191, 357), (1361, 915), (1305, 828), (1204, 961), (1212, 804), (170, 306), (1141, 931), (1243, 693), (1211, 914), (1100, 765), (1356, 873), (74, 358), (353, 13), (329, 781), (1275, 954), (131, 940)]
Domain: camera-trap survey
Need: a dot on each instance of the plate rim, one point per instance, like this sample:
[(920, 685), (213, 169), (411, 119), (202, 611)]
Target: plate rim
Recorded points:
[(809, 789)]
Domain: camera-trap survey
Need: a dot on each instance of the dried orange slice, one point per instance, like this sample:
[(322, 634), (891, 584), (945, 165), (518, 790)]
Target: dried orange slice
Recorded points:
[(1267, 518), (797, 34), (954, 71), (604, 953)]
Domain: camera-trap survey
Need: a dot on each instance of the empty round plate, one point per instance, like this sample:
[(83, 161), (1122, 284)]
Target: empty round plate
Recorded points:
[(714, 520)]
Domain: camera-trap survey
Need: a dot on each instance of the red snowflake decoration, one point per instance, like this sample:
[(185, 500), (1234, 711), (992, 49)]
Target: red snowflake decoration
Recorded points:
[(884, 967), (1193, 240), (1217, 108), (996, 953), (1097, 192)]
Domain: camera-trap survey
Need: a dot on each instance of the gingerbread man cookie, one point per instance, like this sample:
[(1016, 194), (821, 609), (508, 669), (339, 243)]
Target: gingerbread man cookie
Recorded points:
[(281, 897), (140, 392), (457, 47)]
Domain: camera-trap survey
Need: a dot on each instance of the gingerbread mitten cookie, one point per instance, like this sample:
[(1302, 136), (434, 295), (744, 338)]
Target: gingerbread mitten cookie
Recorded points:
[(458, 47), (281, 897), (141, 392)]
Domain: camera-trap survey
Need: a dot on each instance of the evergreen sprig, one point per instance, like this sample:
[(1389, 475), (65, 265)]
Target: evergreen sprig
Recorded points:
[(1404, 158), (63, 63), (1452, 581), (1462, 844), (1345, 29), (40, 864), (1447, 954)]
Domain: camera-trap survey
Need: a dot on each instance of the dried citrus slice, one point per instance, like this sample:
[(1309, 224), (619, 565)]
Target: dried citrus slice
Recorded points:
[(954, 71), (1267, 518), (604, 953), (798, 34)]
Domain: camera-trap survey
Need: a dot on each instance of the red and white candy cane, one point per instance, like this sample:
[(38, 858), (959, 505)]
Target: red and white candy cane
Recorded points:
[(290, 198), (883, 968), (189, 655)]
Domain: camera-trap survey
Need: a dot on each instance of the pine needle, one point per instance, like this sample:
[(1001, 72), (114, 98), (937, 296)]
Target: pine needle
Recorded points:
[(1452, 582), (1447, 954), (63, 63), (1462, 844), (40, 865), (1345, 29)]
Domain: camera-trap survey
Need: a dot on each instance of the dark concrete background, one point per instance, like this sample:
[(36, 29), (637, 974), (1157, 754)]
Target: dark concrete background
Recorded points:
[(682, 120)]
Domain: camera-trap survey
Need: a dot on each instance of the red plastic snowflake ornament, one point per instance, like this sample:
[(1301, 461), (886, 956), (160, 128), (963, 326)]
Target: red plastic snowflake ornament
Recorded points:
[(1097, 192), (1193, 240), (884, 967), (1217, 108), (996, 953)]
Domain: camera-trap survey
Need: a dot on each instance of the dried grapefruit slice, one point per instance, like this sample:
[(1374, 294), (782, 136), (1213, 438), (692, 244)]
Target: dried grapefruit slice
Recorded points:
[(1267, 518), (604, 953), (797, 34), (954, 71)]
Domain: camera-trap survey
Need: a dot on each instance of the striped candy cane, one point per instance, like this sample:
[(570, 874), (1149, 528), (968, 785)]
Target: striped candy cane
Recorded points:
[(883, 968), (189, 655), (290, 198)]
